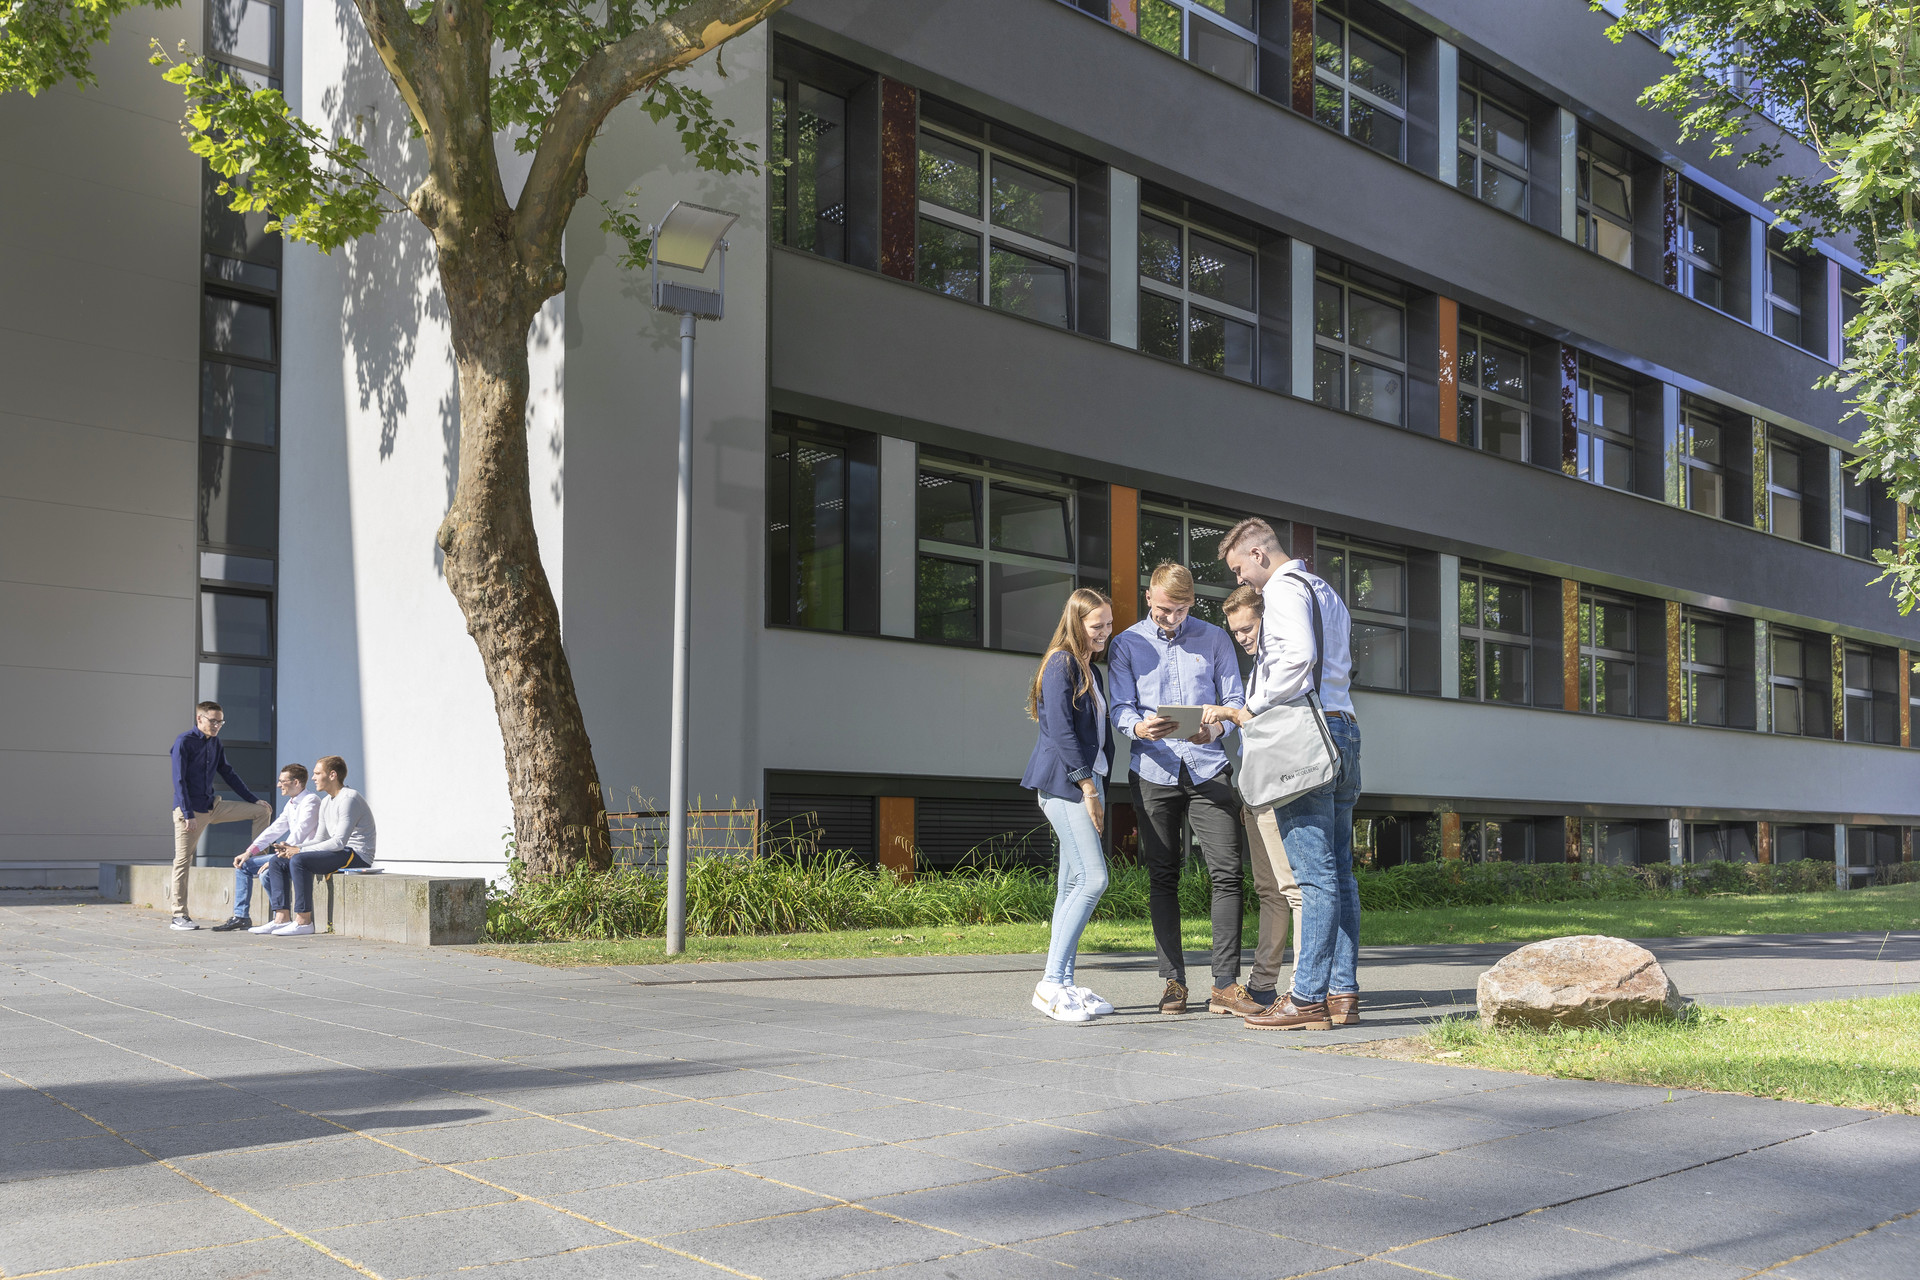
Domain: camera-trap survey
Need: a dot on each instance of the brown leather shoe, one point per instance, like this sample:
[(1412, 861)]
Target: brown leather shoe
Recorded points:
[(1174, 998), (1343, 1010), (1285, 1015), (1234, 1000)]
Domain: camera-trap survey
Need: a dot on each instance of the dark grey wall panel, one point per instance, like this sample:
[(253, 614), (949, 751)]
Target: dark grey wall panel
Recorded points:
[(1042, 66), (870, 352)]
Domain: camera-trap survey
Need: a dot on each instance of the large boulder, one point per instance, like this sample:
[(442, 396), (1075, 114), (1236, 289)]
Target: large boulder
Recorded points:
[(1577, 982)]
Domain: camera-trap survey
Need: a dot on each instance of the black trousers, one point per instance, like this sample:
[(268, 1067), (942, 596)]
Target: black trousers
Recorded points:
[(1213, 809)]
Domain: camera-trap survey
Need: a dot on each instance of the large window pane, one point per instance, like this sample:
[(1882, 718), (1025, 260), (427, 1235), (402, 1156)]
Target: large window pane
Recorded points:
[(238, 403), (1374, 67), (1221, 345), (1203, 545), (1222, 272), (1376, 393), (1329, 379), (235, 624), (1613, 241), (1707, 491), (1032, 203), (1504, 607), (949, 508), (819, 157), (1616, 470), (1709, 698), (950, 174), (1159, 541), (1377, 656), (1031, 522), (1377, 326), (1379, 130), (243, 28), (1502, 190), (245, 694), (1159, 325), (1379, 585), (819, 511), (1503, 429), (1503, 369), (1503, 133), (1326, 310), (1027, 605), (1226, 55), (949, 601), (239, 497), (949, 260), (1785, 515), (218, 567), (1029, 287), (1506, 672), (236, 328), (1160, 256), (1160, 25)]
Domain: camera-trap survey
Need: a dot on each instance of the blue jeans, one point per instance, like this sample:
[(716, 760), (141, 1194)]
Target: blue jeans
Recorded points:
[(299, 870), (1083, 878), (1317, 829), (243, 882)]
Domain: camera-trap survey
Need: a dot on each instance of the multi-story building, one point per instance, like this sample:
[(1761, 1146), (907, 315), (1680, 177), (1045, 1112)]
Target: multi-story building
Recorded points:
[(1040, 295)]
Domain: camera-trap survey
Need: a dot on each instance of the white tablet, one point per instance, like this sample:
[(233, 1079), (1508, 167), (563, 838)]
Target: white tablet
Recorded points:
[(1186, 718)]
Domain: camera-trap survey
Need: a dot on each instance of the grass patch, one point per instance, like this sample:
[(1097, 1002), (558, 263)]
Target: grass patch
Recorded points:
[(1847, 1053), (1895, 907)]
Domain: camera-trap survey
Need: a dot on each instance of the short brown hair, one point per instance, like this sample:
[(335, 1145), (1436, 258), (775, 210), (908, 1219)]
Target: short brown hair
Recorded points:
[(332, 764), (1252, 530), (299, 772), (205, 708), (1245, 598), (1172, 578)]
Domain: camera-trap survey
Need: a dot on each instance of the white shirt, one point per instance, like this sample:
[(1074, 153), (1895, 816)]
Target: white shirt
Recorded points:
[(296, 824), (1283, 669), (345, 823)]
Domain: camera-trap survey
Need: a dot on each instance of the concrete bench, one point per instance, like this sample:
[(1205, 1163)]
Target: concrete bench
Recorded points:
[(425, 911)]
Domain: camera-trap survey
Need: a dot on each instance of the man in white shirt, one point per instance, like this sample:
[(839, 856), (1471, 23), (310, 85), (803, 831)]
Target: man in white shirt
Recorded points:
[(1316, 829), (345, 840), (296, 824)]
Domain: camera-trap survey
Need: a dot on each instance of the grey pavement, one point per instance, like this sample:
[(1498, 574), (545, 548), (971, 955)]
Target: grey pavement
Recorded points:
[(222, 1106)]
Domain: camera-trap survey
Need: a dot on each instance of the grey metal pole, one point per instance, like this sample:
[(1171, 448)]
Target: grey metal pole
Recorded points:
[(682, 627)]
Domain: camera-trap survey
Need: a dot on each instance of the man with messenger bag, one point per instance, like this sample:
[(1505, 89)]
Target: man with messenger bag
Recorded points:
[(1299, 771)]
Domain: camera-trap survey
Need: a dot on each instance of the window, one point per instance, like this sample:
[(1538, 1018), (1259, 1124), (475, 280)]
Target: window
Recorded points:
[(1493, 142), (1604, 221), (809, 198), (1867, 515), (1496, 629), (1851, 287), (1217, 35), (1703, 667), (1196, 297), (997, 556), (1492, 380), (1188, 536), (995, 228), (1360, 343), (1703, 455), (1783, 298), (1870, 680), (1786, 499), (1618, 844), (1604, 415), (1496, 840), (1607, 652), (1719, 842), (1359, 83), (1799, 680), (822, 527), (1373, 582), (244, 35), (1702, 249)]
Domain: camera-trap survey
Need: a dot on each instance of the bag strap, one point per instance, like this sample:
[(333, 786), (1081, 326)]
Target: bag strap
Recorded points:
[(1319, 629)]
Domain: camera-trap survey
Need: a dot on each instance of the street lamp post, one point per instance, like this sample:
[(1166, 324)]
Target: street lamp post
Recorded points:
[(686, 238)]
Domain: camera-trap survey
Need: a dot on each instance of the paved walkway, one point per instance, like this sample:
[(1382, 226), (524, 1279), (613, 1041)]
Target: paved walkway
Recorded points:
[(220, 1106)]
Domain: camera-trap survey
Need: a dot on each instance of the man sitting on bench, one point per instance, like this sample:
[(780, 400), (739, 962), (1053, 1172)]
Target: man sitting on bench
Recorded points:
[(345, 840), (297, 824)]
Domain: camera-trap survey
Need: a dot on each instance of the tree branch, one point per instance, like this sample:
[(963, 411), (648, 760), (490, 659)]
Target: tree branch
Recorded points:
[(397, 39), (603, 82)]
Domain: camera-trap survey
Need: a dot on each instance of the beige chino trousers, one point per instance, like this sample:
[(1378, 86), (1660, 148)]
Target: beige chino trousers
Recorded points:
[(1279, 896), (186, 834)]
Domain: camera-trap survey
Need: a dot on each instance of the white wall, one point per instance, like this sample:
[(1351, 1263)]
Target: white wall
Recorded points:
[(99, 352)]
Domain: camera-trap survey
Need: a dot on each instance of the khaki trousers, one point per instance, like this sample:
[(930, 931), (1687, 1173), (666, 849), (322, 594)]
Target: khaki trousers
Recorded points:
[(186, 834), (1279, 896)]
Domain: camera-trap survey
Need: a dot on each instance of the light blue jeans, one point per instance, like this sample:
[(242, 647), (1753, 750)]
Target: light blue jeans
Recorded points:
[(1318, 832), (1083, 879), (243, 881)]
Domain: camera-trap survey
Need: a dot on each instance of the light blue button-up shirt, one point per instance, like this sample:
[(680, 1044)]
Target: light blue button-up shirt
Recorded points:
[(1147, 670)]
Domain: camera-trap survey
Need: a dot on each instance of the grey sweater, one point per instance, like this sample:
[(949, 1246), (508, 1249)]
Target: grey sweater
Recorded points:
[(345, 823)]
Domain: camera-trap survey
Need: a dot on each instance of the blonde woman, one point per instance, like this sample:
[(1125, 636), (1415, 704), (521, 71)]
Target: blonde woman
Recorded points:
[(1069, 771)]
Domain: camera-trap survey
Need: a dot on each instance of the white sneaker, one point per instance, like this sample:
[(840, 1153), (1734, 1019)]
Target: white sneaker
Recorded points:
[(1093, 1002), (268, 927), (183, 924), (1062, 1005), (291, 930)]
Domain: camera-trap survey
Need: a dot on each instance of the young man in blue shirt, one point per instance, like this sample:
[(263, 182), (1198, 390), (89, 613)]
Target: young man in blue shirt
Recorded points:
[(1170, 658), (197, 758)]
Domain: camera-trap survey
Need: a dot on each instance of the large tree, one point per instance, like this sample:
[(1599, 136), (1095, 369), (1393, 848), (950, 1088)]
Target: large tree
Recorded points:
[(1843, 78), (547, 72)]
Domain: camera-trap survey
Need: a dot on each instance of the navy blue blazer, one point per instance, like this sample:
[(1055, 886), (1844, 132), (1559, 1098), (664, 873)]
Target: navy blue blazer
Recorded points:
[(1072, 731)]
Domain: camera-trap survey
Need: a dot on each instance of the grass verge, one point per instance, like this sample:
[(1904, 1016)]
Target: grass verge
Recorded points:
[(1846, 1053), (1893, 907)]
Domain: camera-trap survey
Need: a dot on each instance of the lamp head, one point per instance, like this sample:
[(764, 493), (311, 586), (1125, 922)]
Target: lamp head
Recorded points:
[(689, 234)]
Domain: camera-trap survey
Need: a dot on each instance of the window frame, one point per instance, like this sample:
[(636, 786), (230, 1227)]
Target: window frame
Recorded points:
[(1692, 668), (1344, 86), (784, 84), (1695, 415), (1349, 353), (1587, 157), (1187, 515), (1593, 654), (1326, 546), (1781, 442), (983, 554), (258, 75), (1191, 11), (1777, 302), (1586, 431), (1189, 301), (1693, 264), (1476, 392), (1799, 686), (1471, 156), (1479, 635)]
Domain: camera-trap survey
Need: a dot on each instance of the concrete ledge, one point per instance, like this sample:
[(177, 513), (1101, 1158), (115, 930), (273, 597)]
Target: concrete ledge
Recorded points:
[(423, 911)]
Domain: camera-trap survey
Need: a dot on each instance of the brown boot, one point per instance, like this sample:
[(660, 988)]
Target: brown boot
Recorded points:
[(1285, 1015), (1234, 1000), (1174, 998), (1344, 1010)]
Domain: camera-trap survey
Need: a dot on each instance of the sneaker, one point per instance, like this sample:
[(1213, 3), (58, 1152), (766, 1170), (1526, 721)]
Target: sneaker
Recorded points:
[(183, 923), (1234, 1000), (233, 922), (290, 930), (268, 927), (1062, 1005), (1174, 998), (1094, 1003)]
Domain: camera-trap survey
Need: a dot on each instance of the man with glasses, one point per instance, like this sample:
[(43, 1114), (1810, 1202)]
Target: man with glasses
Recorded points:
[(197, 757), (1171, 659)]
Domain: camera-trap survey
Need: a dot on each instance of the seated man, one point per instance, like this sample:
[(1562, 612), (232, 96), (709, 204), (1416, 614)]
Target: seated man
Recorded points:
[(345, 839), (296, 824)]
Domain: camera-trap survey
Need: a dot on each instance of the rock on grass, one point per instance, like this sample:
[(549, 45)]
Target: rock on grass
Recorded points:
[(1583, 981)]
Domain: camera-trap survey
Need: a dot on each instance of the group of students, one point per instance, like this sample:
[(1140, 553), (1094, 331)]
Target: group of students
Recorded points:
[(319, 832), (1298, 631)]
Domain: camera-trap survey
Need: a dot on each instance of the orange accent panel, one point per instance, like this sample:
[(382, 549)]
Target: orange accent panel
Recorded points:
[(1573, 839), (1301, 57), (1839, 688), (1570, 643), (1676, 704), (1124, 14), (1124, 544), (1450, 836), (896, 835), (1763, 841), (1449, 369), (899, 178)]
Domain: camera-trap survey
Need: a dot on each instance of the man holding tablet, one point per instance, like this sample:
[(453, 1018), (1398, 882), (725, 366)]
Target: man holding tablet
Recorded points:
[(1172, 660)]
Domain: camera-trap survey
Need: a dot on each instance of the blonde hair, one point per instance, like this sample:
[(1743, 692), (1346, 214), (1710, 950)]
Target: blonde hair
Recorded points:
[(1172, 578), (1252, 530), (1245, 598), (1070, 638)]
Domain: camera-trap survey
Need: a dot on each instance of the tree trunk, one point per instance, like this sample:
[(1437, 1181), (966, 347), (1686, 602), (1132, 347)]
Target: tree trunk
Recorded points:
[(493, 568)]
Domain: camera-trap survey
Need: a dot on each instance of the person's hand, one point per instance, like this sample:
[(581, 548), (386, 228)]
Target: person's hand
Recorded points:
[(286, 850), (1203, 737), (1095, 809), (179, 817), (242, 856), (265, 804), (1222, 715), (1153, 728)]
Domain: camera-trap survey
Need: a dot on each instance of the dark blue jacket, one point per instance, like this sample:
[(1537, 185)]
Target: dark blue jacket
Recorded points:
[(196, 758), (1072, 731)]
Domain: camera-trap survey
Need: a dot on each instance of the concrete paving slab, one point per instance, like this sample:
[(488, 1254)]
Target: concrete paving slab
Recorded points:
[(1173, 1247)]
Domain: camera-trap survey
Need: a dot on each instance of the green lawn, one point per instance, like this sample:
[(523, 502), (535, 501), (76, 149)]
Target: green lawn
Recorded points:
[(1848, 1053), (1895, 907)]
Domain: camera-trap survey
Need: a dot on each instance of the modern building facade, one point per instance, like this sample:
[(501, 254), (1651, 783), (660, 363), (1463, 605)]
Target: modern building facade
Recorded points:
[(1040, 295)]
